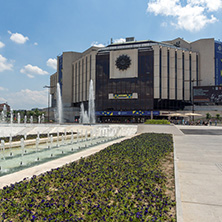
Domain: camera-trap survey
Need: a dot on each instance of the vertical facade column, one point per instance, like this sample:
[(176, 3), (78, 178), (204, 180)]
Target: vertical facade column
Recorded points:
[(156, 75), (179, 76), (172, 74), (88, 77), (75, 83), (186, 76), (194, 68), (83, 80), (197, 69), (79, 88), (164, 76)]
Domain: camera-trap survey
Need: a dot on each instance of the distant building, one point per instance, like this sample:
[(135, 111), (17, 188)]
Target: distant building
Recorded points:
[(6, 105), (136, 79)]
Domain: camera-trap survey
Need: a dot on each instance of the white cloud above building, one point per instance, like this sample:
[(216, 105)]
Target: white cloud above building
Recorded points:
[(3, 88), (52, 63), (31, 71), (1, 44), (18, 38), (191, 15), (27, 98), (96, 44), (4, 64)]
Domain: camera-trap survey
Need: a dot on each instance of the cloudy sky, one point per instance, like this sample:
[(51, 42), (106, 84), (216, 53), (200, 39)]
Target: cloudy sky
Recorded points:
[(34, 32)]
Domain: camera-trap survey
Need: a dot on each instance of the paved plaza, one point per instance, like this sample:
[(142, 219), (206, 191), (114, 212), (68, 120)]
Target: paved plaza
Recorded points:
[(198, 169)]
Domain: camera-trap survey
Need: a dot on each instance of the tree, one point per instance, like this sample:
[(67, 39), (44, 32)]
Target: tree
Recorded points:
[(208, 116), (218, 116)]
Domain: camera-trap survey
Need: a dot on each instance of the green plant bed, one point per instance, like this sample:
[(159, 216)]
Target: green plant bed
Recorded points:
[(124, 182), (157, 121)]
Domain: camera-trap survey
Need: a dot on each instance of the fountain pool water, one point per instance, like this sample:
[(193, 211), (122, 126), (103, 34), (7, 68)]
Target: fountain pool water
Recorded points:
[(15, 159)]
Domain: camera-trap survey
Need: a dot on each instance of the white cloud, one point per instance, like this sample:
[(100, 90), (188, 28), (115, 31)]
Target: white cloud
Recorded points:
[(2, 44), (191, 15), (52, 63), (2, 100), (210, 5), (18, 38), (4, 64), (164, 24), (96, 44), (121, 40), (30, 71), (36, 43), (27, 99), (3, 89)]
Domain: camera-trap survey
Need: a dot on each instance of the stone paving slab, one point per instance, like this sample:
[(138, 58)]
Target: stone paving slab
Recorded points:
[(199, 177)]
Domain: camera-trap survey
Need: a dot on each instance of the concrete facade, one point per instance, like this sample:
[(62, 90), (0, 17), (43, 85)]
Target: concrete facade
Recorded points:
[(131, 72), (67, 69), (206, 50), (83, 70), (178, 65)]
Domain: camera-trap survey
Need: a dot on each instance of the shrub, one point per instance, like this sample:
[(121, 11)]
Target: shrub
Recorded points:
[(157, 121), (208, 116)]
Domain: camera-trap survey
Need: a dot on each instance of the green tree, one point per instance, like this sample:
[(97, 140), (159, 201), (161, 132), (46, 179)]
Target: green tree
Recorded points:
[(218, 116), (208, 116)]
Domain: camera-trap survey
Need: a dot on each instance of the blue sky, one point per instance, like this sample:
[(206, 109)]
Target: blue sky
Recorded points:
[(34, 32)]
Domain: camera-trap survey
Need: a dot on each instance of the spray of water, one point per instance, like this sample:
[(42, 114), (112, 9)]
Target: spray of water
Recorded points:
[(59, 105), (88, 118)]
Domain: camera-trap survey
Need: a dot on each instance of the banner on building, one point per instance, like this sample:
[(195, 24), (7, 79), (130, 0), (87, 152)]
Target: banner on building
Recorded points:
[(127, 113), (207, 94), (218, 63)]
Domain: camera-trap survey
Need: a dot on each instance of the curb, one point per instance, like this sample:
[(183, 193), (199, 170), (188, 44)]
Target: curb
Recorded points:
[(179, 211)]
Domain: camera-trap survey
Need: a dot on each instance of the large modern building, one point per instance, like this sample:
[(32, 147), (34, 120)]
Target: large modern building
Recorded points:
[(136, 79)]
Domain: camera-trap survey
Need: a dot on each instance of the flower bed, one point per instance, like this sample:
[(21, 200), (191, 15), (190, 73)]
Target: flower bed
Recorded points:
[(124, 182)]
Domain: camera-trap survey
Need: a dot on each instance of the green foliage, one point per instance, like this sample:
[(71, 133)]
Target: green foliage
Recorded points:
[(218, 116), (208, 116), (157, 121), (123, 182)]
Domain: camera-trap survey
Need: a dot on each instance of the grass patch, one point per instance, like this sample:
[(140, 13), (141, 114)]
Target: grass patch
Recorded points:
[(157, 121), (124, 182)]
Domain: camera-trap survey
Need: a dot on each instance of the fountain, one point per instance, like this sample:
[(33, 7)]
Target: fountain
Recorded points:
[(43, 118), (59, 105), (4, 114), (14, 157), (31, 119), (19, 118), (39, 119), (90, 117), (11, 116), (3, 148)]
